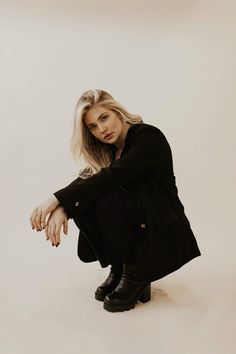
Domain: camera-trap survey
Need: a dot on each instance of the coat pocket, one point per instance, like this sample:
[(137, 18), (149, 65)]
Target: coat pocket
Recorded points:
[(153, 204), (163, 219), (163, 214)]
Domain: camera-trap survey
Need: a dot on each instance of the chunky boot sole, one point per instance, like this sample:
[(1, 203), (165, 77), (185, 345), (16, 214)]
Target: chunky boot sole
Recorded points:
[(144, 295)]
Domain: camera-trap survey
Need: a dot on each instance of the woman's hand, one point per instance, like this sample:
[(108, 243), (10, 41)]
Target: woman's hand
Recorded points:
[(39, 214), (55, 221)]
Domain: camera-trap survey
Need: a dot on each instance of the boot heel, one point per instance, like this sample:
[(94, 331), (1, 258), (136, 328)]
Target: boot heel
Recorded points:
[(146, 294)]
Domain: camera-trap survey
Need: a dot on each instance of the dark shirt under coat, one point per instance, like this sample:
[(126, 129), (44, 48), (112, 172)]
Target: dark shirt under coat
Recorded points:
[(145, 169)]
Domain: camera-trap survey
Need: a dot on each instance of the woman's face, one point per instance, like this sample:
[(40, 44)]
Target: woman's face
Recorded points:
[(102, 121)]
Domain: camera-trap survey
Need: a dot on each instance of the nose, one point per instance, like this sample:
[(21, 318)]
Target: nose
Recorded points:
[(103, 130)]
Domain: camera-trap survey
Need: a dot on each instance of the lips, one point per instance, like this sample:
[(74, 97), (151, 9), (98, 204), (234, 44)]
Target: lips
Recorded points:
[(108, 136)]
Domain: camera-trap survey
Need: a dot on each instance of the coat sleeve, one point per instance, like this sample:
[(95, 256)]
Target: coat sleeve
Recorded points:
[(149, 150)]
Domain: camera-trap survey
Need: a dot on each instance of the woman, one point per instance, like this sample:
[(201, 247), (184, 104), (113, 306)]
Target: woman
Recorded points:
[(125, 202)]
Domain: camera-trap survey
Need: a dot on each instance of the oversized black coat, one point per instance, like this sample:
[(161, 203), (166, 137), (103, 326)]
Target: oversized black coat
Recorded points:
[(166, 241)]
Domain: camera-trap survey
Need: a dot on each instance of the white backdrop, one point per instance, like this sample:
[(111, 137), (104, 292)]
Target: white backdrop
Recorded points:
[(172, 62)]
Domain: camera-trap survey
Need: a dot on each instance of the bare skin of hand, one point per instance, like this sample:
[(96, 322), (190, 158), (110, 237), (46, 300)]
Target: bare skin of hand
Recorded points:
[(56, 220), (39, 214)]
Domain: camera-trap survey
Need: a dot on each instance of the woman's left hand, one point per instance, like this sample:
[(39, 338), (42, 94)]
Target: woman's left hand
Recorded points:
[(39, 214), (56, 220)]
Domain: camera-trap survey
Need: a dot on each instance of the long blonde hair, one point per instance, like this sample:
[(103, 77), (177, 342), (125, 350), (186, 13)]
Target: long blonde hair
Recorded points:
[(95, 153)]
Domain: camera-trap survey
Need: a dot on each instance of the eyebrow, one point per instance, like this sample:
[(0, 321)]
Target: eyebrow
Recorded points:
[(101, 115)]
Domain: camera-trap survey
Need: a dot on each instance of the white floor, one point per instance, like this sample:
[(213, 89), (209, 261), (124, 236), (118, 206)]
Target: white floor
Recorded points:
[(48, 305)]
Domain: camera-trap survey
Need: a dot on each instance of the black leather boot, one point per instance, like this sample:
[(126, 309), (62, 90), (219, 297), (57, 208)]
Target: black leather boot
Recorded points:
[(110, 283), (129, 290)]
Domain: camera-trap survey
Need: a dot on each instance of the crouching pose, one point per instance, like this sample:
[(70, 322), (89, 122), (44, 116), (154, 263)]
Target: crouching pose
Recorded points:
[(125, 202)]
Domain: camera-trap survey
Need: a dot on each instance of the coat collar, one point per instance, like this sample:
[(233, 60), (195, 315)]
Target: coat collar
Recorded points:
[(128, 138)]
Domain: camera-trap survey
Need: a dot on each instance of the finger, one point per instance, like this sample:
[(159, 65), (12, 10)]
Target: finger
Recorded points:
[(46, 233), (49, 232), (43, 220), (53, 235), (49, 218), (65, 227), (57, 233), (51, 229), (38, 220), (33, 217)]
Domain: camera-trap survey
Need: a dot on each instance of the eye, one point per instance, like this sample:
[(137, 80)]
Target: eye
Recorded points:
[(104, 117)]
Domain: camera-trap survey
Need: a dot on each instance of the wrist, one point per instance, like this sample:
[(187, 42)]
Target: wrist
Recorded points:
[(54, 201), (58, 210)]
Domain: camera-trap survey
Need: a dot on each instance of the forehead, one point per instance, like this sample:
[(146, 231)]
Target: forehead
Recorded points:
[(94, 113)]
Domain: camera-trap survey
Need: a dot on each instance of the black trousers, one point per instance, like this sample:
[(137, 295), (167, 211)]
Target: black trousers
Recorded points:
[(112, 226)]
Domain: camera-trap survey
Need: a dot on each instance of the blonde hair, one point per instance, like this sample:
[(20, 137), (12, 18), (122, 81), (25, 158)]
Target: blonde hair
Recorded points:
[(95, 153)]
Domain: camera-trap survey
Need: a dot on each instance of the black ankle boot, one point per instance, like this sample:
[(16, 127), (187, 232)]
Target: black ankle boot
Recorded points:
[(110, 283), (129, 290)]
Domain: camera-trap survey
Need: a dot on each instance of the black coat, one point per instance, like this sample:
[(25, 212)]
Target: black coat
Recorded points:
[(145, 169)]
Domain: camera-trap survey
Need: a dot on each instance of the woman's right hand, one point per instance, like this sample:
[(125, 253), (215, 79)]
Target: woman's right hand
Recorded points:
[(56, 220)]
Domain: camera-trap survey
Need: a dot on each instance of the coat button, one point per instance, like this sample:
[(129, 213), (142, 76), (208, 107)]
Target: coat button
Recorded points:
[(77, 204), (143, 226)]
